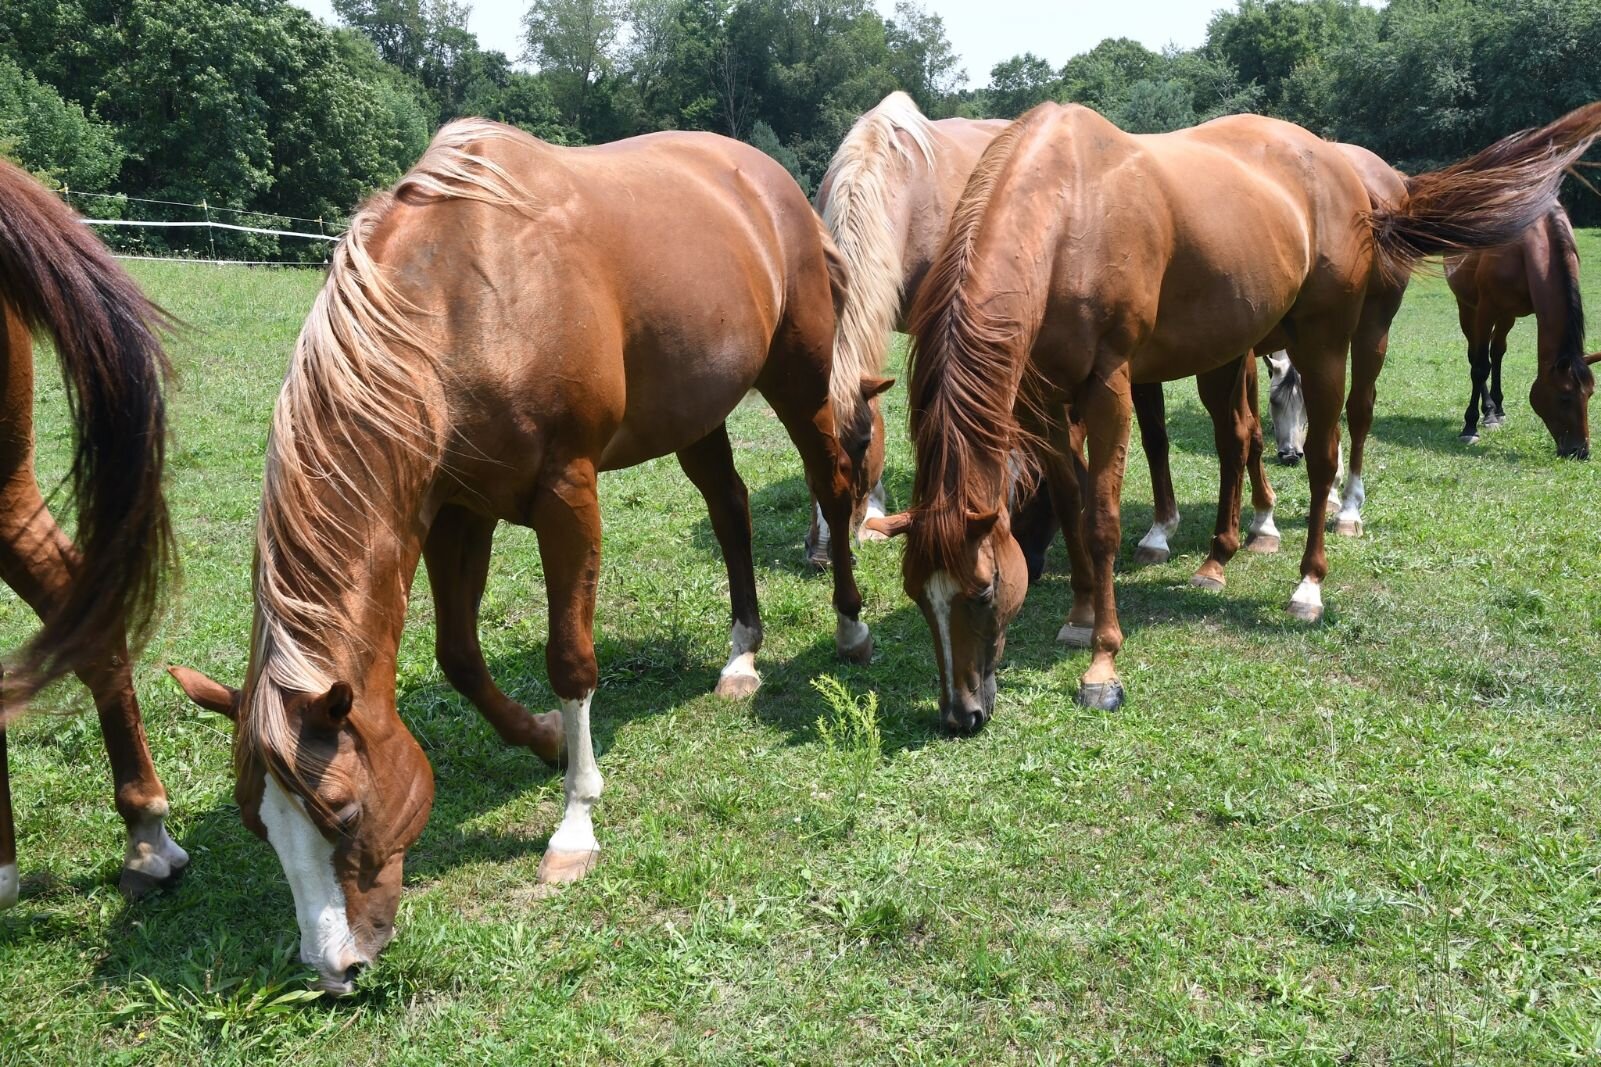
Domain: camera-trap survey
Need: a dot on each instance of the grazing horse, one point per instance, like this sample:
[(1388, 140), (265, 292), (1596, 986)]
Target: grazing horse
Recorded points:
[(887, 198), (1537, 274), (1386, 188), (96, 597), (1083, 259), (508, 322)]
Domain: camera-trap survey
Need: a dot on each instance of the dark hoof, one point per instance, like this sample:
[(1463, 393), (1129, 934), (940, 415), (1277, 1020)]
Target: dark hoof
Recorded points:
[(1494, 422), (136, 885), (1468, 438), (1146, 556), (1074, 636), (1103, 696)]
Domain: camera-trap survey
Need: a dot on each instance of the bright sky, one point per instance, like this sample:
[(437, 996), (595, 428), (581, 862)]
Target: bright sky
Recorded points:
[(983, 32)]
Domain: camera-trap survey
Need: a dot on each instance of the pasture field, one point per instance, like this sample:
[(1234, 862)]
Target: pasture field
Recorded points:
[(1374, 841)]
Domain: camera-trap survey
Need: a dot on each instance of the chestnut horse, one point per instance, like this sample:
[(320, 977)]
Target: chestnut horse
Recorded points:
[(1386, 188), (887, 198), (1083, 259), (1537, 274), (95, 596), (513, 319)]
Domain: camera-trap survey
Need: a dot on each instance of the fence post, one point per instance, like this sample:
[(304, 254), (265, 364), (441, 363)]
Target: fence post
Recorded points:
[(211, 235)]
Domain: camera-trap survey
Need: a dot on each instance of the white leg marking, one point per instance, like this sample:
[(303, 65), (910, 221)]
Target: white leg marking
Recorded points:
[(742, 658), (823, 532), (150, 850), (875, 501), (1262, 524), (1308, 595), (1351, 506), (848, 633), (577, 830), (940, 590), (308, 861), (8, 885), (1156, 538), (1339, 473)]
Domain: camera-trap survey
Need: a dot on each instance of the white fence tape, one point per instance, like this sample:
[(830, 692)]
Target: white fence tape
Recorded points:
[(209, 225)]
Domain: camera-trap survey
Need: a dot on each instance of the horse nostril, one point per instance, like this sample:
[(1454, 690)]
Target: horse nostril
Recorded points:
[(353, 970)]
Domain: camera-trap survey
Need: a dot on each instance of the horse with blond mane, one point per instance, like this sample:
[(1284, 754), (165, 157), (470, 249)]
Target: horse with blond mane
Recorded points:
[(96, 597), (511, 320), (1083, 259)]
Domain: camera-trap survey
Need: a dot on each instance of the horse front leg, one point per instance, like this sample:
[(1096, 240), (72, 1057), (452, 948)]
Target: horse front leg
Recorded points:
[(709, 463), (457, 554), (566, 518), (1150, 408), (1106, 406)]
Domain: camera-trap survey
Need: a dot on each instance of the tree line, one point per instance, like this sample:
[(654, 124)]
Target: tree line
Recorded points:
[(254, 106)]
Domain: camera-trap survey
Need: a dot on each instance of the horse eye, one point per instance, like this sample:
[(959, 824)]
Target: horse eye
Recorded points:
[(986, 596)]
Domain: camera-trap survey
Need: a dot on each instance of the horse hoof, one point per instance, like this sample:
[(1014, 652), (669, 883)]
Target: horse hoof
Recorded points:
[(1468, 438), (9, 886), (1296, 609), (738, 686), (136, 885), (1214, 583), (1494, 422), (861, 654), (1103, 696), (546, 742), (558, 867), (1348, 527), (817, 564), (1075, 636), (1262, 544), (1145, 556)]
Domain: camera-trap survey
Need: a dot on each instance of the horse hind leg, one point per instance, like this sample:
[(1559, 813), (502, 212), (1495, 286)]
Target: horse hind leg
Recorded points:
[(709, 463), (36, 561), (1321, 363), (1494, 412), (1223, 393), (457, 555), (1262, 536)]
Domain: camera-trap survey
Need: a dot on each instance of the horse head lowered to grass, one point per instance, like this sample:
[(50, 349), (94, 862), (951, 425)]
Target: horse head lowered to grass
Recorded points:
[(512, 320)]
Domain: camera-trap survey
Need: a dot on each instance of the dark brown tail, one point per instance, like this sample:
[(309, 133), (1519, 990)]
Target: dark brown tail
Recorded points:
[(61, 280), (1488, 198)]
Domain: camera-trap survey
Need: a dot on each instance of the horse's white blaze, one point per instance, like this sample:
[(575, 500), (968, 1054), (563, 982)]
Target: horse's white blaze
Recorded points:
[(1262, 524), (1355, 497), (8, 885), (150, 850), (848, 633), (742, 654), (1157, 537), (308, 862), (940, 591), (577, 830), (1309, 594)]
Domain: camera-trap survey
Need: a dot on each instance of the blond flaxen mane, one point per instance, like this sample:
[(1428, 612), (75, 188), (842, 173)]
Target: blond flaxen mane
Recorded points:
[(359, 426), (964, 368), (864, 178)]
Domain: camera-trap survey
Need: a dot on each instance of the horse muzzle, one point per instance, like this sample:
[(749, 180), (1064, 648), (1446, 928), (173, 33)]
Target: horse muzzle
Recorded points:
[(1289, 457)]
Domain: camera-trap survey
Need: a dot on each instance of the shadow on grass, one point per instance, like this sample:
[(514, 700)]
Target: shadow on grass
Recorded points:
[(1440, 436)]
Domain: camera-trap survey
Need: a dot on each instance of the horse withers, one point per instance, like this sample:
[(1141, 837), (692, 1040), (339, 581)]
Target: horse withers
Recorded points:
[(1082, 260), (1536, 274), (509, 322), (96, 597)]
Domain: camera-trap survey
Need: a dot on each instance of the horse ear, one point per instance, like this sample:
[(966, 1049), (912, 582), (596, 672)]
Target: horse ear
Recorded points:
[(979, 526), (890, 525), (872, 386), (213, 696), (333, 707)]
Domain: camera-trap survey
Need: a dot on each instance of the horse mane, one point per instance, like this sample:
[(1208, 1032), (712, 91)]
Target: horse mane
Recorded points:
[(862, 180), (1570, 349), (963, 365), (358, 428)]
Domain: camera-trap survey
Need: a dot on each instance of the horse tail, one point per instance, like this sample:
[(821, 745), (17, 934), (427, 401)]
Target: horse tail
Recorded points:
[(62, 281), (1565, 265), (1485, 200), (861, 180)]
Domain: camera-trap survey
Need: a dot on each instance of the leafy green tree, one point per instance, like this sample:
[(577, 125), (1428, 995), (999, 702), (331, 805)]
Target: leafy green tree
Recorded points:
[(921, 58), (1266, 40), (52, 137), (1155, 107), (1019, 83), (574, 43), (1101, 77)]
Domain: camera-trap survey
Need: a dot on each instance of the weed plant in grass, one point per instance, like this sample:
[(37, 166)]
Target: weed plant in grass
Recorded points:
[(1373, 841)]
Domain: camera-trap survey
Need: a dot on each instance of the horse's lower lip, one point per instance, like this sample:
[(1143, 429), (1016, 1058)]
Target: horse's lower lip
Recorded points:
[(339, 986)]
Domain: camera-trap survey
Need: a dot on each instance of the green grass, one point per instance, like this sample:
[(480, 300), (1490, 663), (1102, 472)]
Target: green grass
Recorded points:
[(1373, 841)]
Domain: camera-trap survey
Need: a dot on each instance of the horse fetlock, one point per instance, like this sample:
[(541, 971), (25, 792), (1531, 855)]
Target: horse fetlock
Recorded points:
[(153, 859)]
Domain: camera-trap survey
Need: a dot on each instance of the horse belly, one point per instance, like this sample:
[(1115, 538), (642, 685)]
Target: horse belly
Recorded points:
[(675, 398)]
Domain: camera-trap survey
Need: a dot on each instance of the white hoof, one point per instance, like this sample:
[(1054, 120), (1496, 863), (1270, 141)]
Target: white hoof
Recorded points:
[(852, 640), (8, 886), (1307, 603)]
